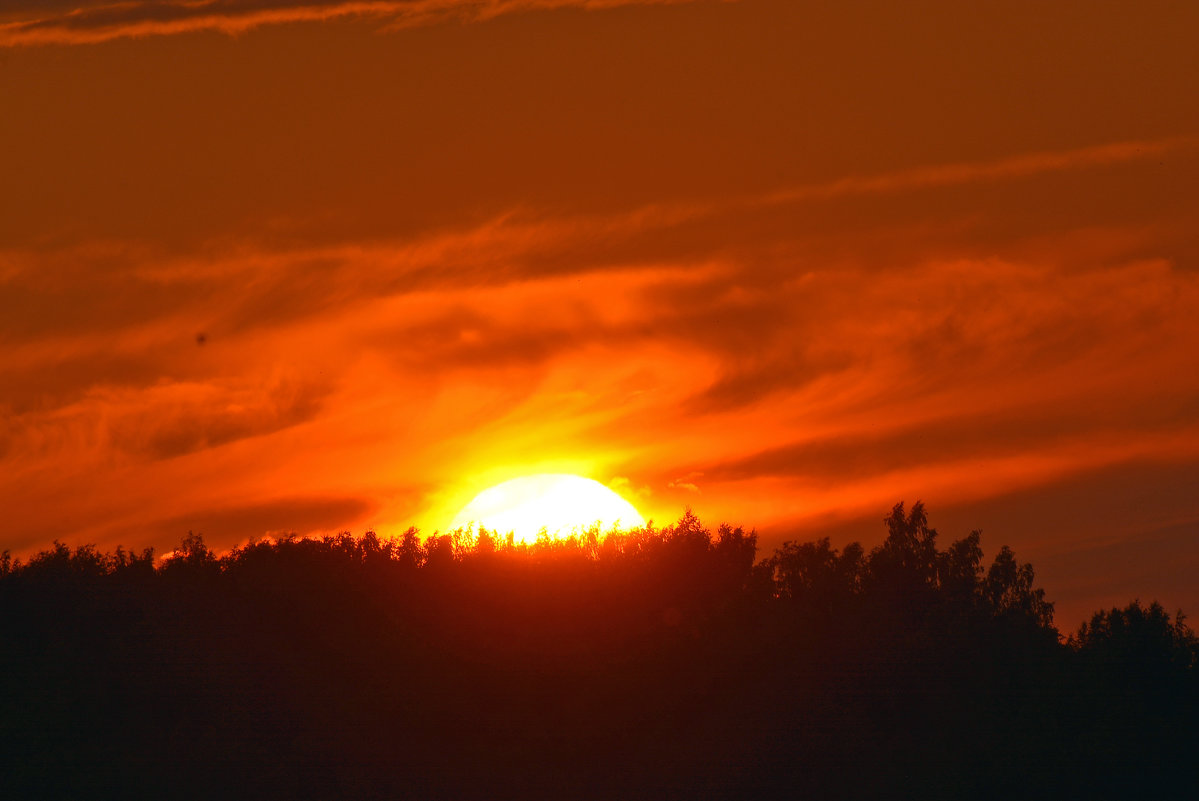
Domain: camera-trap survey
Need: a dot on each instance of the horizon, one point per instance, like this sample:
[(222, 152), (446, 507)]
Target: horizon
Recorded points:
[(470, 537)]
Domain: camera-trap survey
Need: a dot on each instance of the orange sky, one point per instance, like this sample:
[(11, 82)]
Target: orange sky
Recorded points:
[(785, 262)]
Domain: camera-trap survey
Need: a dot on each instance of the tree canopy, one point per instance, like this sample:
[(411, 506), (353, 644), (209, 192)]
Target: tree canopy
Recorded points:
[(656, 662)]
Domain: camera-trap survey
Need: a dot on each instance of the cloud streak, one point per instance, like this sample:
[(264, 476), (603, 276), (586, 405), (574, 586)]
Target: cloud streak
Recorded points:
[(93, 23), (1023, 165)]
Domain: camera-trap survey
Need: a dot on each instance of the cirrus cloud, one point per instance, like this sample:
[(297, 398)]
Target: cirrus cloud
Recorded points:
[(76, 23)]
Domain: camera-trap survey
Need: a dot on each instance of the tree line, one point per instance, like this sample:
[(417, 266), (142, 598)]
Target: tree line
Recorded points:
[(664, 662)]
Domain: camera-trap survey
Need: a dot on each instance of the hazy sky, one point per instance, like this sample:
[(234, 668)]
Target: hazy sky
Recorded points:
[(785, 262)]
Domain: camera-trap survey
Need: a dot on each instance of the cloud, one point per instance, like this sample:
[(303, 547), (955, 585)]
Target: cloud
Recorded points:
[(772, 314), (623, 485), (164, 420), (29, 24), (235, 285), (687, 482), (203, 418), (953, 440), (956, 381), (520, 297), (981, 320), (1018, 166)]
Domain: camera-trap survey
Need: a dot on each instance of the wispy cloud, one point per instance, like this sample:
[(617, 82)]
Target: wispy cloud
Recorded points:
[(1018, 166), (686, 483), (959, 380), (91, 23), (136, 283)]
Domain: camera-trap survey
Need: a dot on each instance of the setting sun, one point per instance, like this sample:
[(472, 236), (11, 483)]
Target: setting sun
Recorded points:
[(558, 502)]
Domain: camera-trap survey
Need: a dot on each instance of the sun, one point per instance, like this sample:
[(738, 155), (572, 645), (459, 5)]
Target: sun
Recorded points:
[(558, 502)]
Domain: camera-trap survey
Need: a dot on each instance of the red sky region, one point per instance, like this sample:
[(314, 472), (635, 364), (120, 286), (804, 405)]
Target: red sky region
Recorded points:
[(784, 262)]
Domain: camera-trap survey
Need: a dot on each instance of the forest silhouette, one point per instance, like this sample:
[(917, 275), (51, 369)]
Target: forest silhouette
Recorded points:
[(655, 663)]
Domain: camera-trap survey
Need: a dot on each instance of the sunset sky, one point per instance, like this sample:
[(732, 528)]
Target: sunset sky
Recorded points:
[(275, 265)]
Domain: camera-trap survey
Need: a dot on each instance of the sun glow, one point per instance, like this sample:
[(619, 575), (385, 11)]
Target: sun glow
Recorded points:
[(560, 503)]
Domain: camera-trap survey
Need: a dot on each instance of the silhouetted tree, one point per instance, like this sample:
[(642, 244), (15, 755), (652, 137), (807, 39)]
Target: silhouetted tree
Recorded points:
[(959, 570), (192, 556), (903, 570), (654, 662), (1009, 590), (1139, 635), (816, 575)]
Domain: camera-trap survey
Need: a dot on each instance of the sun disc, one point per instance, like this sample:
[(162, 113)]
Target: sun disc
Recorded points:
[(561, 503)]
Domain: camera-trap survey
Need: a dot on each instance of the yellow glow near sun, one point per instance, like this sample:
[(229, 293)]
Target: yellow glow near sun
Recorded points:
[(558, 502)]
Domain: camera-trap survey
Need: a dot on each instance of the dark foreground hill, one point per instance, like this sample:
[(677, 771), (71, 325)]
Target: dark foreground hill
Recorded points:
[(661, 663)]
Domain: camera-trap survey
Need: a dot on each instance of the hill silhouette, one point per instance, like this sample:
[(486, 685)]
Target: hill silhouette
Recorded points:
[(655, 663)]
